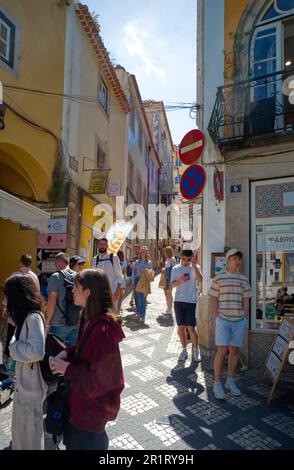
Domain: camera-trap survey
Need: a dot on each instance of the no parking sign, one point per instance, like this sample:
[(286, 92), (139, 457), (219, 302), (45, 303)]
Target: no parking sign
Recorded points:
[(193, 182)]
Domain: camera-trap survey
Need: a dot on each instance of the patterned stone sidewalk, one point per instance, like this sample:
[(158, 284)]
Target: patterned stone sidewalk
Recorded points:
[(166, 405)]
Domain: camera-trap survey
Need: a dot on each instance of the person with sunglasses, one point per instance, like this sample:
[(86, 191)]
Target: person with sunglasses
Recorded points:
[(183, 279)]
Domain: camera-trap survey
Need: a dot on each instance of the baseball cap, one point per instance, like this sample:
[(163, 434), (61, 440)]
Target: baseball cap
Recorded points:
[(233, 252), (76, 260)]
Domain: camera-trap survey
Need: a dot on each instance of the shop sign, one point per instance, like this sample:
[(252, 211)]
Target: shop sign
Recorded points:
[(54, 241), (98, 182), (281, 242)]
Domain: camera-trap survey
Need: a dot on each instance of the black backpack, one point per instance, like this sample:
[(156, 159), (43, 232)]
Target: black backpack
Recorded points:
[(98, 260), (70, 311)]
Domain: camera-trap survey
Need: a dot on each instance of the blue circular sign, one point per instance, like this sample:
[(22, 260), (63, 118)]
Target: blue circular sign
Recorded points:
[(193, 182)]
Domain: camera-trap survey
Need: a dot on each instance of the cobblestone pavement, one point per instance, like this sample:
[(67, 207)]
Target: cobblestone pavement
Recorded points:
[(166, 405)]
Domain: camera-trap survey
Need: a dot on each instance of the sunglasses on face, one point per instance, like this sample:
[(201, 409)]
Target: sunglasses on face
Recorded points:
[(186, 259)]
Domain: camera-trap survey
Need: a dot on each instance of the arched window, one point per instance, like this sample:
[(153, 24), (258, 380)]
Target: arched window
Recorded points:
[(272, 59), (279, 9)]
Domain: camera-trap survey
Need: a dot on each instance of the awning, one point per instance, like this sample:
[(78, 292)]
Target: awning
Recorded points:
[(20, 212)]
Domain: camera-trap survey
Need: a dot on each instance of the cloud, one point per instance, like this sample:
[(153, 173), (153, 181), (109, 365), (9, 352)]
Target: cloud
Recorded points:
[(140, 44)]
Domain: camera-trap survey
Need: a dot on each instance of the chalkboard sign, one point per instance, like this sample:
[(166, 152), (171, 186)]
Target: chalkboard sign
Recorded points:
[(279, 353)]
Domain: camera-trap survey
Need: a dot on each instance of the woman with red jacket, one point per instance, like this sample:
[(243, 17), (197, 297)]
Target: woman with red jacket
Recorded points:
[(96, 379)]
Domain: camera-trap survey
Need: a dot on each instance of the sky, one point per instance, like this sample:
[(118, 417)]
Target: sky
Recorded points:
[(156, 41)]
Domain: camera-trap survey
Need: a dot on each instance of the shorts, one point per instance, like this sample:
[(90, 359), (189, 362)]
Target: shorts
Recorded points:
[(228, 333), (185, 313)]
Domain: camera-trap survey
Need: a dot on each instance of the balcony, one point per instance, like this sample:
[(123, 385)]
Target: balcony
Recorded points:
[(253, 112)]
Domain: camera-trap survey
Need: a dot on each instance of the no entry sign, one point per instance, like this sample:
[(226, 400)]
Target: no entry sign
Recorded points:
[(192, 146), (193, 182)]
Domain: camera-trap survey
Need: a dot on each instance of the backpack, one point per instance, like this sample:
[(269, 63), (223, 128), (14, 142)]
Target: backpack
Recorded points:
[(98, 260), (129, 270), (53, 346), (70, 311)]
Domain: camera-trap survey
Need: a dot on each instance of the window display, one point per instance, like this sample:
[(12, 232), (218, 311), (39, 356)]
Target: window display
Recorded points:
[(274, 274)]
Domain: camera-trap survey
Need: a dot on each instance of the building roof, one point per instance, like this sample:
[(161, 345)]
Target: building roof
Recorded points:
[(95, 39)]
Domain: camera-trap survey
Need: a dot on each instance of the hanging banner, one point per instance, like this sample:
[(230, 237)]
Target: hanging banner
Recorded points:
[(117, 234)]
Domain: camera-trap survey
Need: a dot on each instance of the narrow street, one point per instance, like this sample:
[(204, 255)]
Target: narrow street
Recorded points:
[(169, 406)]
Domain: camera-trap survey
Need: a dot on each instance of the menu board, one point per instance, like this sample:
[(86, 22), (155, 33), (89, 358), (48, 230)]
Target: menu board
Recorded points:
[(279, 352)]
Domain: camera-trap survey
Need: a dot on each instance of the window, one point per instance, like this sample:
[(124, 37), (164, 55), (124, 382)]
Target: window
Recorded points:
[(7, 40), (103, 95), (130, 174), (279, 9), (132, 117), (139, 188), (140, 137), (101, 159)]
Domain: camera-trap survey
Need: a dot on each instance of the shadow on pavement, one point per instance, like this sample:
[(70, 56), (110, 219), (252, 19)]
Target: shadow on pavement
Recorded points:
[(165, 320), (133, 323)]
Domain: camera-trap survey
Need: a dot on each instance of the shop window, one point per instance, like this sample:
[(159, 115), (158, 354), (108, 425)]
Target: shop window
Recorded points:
[(274, 274)]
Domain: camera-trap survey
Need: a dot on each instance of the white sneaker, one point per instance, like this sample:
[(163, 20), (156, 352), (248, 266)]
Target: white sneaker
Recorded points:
[(197, 355), (168, 312), (218, 391), (183, 356), (232, 387)]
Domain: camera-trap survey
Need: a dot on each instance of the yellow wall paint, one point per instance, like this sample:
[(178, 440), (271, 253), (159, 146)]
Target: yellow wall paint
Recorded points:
[(42, 37), (233, 13), (15, 243), (86, 238)]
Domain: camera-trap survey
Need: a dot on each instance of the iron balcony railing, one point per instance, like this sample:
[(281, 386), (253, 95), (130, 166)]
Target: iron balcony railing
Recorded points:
[(250, 108)]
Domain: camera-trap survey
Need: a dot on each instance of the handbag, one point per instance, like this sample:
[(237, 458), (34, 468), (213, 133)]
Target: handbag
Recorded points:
[(162, 280), (53, 346), (57, 417)]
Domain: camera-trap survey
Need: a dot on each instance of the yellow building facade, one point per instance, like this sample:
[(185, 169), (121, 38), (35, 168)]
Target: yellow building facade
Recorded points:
[(30, 140)]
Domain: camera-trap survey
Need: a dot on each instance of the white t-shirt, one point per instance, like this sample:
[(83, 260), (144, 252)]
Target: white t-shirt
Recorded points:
[(186, 291), (170, 263), (114, 271)]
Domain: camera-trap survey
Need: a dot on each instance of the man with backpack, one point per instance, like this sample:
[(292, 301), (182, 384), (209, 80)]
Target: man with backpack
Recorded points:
[(109, 263), (62, 315)]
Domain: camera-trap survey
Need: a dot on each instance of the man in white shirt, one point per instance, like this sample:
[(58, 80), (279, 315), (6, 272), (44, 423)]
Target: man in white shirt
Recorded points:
[(183, 279), (109, 263)]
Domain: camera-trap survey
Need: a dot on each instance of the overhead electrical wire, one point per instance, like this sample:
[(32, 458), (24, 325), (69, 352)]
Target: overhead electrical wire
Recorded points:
[(169, 107)]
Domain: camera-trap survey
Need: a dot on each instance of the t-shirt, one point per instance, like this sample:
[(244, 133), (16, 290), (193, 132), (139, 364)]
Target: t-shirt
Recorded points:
[(56, 284), (170, 263), (230, 289), (186, 291)]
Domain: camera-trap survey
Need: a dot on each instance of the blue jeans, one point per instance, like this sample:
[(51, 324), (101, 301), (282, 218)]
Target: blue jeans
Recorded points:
[(69, 334), (140, 300)]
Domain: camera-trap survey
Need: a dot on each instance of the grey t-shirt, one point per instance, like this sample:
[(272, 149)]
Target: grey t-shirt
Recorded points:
[(56, 284), (186, 292)]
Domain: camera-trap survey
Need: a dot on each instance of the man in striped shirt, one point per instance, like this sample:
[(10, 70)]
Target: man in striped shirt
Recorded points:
[(229, 303)]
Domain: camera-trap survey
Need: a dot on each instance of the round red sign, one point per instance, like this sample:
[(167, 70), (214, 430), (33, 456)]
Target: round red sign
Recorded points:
[(192, 147)]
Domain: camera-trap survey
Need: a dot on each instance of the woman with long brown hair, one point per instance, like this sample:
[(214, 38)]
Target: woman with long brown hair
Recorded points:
[(96, 379), (27, 348)]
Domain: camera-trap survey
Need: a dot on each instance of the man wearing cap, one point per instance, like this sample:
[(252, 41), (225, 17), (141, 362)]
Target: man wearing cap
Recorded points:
[(76, 263), (229, 303)]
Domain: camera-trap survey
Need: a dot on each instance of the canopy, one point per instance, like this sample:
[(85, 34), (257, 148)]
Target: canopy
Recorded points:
[(20, 212)]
